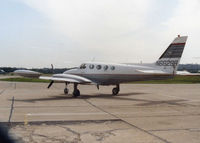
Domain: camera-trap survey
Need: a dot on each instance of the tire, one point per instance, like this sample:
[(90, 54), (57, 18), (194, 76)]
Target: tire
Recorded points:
[(66, 91), (115, 91), (76, 93)]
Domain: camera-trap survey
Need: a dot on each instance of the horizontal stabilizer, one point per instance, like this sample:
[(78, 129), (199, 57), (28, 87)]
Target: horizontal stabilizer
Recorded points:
[(152, 71)]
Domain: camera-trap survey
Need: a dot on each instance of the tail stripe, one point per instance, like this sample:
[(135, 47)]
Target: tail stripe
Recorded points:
[(173, 51)]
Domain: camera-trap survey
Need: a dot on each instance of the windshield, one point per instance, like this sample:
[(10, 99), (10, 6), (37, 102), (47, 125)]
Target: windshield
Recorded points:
[(83, 66)]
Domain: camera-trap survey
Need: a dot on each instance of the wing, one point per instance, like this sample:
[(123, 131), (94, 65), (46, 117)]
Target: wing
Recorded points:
[(67, 78), (186, 73), (27, 73), (152, 72)]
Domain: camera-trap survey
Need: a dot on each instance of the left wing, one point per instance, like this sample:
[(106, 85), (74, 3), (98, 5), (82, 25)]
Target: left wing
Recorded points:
[(67, 78), (27, 73)]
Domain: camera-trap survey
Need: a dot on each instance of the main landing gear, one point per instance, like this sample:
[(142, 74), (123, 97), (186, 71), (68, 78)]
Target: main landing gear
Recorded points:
[(76, 92), (66, 90), (116, 90)]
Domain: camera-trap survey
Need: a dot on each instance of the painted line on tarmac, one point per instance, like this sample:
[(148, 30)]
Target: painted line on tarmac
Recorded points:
[(91, 113), (64, 114)]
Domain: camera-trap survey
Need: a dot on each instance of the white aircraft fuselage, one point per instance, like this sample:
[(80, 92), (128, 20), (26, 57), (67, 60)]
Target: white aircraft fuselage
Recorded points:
[(112, 74)]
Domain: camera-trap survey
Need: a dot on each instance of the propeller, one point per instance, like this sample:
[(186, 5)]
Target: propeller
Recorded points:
[(52, 68), (50, 84)]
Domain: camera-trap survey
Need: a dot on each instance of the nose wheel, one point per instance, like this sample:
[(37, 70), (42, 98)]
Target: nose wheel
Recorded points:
[(116, 90)]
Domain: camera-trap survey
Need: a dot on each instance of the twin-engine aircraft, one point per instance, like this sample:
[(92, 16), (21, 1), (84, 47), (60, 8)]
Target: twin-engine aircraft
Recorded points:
[(114, 74)]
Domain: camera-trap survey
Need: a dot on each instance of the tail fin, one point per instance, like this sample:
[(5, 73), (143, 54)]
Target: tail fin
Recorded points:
[(170, 59)]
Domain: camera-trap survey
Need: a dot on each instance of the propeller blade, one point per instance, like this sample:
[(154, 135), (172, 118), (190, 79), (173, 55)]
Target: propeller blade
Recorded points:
[(50, 84), (97, 86), (52, 68)]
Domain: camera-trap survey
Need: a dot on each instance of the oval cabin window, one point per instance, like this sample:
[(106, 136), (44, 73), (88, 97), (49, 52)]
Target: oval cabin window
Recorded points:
[(105, 67), (91, 66), (98, 67), (112, 68)]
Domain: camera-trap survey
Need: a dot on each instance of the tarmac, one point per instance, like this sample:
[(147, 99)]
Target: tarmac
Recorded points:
[(141, 113)]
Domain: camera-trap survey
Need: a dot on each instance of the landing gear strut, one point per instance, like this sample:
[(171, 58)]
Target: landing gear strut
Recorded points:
[(76, 92), (116, 90), (66, 90)]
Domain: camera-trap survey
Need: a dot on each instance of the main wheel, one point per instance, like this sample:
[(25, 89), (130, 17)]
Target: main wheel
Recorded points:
[(76, 93), (115, 91), (66, 90)]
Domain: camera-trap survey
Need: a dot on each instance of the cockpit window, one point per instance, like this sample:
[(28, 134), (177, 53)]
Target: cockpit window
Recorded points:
[(83, 66), (112, 68), (91, 66), (98, 67), (105, 67)]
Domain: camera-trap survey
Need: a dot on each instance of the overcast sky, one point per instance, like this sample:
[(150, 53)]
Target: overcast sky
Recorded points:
[(37, 33)]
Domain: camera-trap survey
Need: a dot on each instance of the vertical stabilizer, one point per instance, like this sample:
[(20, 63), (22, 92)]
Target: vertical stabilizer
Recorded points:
[(170, 59)]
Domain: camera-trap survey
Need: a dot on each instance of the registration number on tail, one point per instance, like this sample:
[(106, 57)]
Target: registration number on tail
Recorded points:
[(167, 63)]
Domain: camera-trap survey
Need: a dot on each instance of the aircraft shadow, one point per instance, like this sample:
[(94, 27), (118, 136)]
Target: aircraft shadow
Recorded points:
[(70, 96), (122, 97)]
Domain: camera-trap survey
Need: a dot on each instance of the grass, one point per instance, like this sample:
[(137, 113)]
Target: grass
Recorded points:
[(23, 79), (175, 80)]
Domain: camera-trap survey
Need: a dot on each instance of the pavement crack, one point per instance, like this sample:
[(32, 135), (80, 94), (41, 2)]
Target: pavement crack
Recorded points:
[(47, 139), (2, 91), (78, 139), (102, 135), (10, 85)]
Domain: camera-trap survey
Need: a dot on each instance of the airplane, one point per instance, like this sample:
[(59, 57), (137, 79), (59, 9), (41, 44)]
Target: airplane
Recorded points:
[(98, 73), (2, 71), (27, 73)]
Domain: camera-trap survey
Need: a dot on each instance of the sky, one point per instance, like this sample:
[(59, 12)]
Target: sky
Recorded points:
[(65, 33)]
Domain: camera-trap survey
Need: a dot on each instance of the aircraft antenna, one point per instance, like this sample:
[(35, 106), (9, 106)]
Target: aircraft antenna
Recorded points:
[(93, 59)]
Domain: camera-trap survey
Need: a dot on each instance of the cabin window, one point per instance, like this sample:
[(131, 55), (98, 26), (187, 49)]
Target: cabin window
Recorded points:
[(83, 66), (105, 67), (98, 67), (112, 68), (91, 66)]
